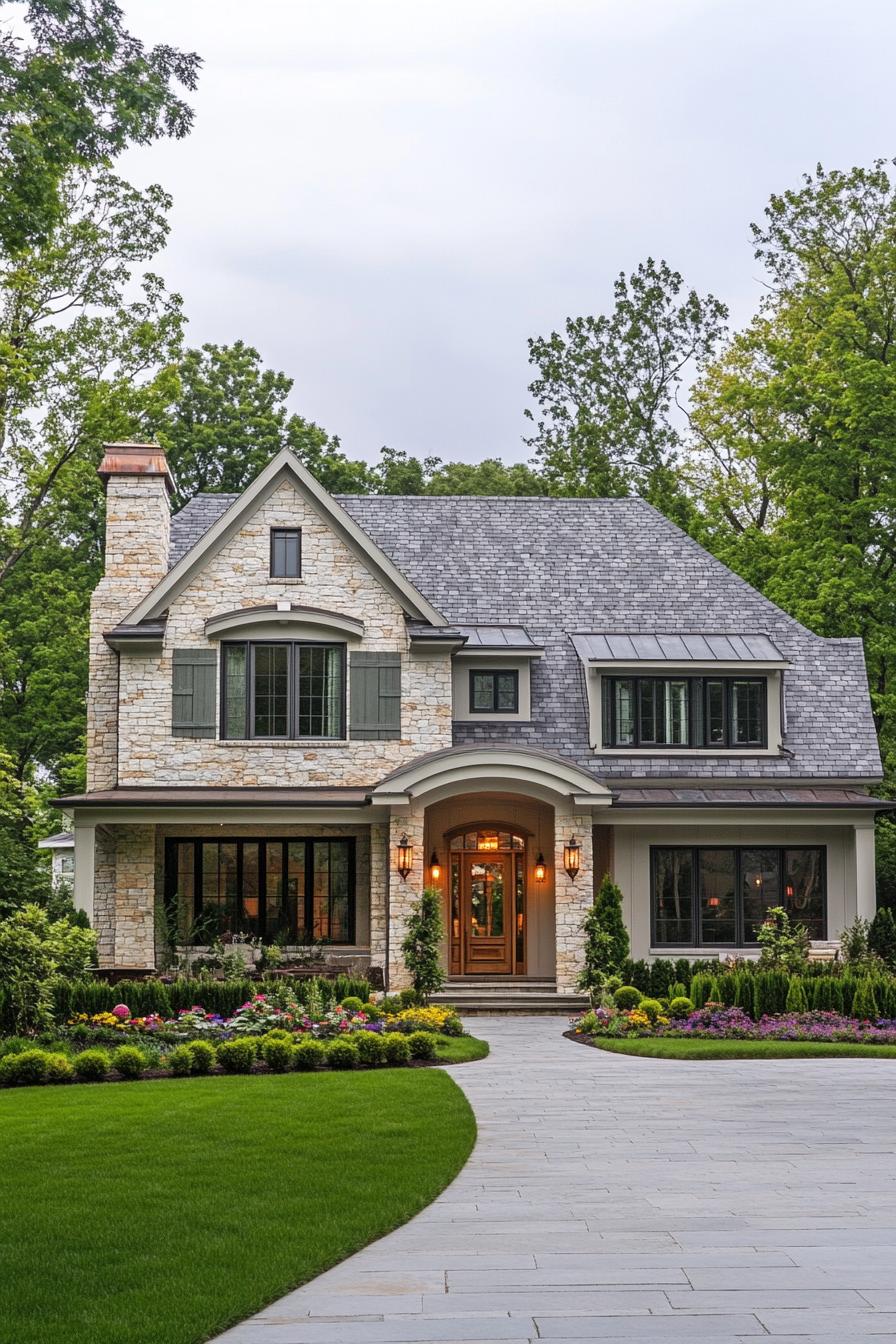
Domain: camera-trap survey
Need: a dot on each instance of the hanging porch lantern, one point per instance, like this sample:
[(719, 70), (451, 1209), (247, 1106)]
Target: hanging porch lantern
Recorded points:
[(405, 858), (540, 867), (435, 868), (572, 857)]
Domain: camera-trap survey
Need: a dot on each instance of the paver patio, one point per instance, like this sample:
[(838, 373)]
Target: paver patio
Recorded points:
[(621, 1199)]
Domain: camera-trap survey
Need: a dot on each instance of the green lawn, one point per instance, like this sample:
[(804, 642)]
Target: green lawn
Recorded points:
[(679, 1048), (460, 1049), (162, 1212)]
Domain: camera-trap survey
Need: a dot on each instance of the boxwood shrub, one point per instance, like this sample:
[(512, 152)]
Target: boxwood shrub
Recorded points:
[(129, 1061), (370, 1047), (91, 1066), (342, 1054), (308, 1055), (422, 1045), (396, 1048), (236, 1056)]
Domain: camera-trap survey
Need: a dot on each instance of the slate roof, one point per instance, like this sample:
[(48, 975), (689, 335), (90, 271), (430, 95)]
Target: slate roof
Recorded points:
[(559, 567)]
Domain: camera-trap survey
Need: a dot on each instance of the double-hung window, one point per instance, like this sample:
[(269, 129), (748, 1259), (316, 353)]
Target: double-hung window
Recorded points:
[(283, 689), (286, 553), (676, 712), (717, 896)]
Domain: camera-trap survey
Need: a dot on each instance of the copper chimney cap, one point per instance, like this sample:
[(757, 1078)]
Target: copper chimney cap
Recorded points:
[(135, 459)]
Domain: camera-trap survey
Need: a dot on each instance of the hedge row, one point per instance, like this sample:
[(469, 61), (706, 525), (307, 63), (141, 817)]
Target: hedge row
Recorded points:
[(70, 997), (760, 992)]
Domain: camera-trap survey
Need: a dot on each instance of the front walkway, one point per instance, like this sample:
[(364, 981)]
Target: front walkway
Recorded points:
[(620, 1199)]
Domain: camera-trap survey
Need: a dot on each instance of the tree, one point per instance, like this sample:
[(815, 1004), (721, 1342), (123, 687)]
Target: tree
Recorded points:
[(421, 945), (605, 389), (76, 88), (795, 423), (227, 417), (606, 938), (882, 937)]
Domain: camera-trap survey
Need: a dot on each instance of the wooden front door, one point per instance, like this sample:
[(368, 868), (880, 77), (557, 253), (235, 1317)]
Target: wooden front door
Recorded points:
[(487, 913)]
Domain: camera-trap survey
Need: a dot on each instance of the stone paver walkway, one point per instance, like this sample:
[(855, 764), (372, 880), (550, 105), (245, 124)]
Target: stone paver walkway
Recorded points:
[(620, 1199)]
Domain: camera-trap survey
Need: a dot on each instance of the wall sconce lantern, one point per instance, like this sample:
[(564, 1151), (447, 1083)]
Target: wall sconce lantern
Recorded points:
[(405, 858), (572, 857), (435, 870), (540, 868)]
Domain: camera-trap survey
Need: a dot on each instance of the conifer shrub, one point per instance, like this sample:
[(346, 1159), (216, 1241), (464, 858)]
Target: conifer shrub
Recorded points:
[(422, 944), (203, 1056), (626, 997), (370, 1047), (882, 937), (715, 991), (180, 1061), (278, 1055), (91, 1066), (396, 1048), (236, 1056), (59, 1069), (683, 972), (422, 1045), (796, 1001), (678, 991), (128, 1061), (662, 977), (700, 986), (309, 1055), (27, 1067), (822, 999), (864, 1003), (342, 1054), (681, 1006)]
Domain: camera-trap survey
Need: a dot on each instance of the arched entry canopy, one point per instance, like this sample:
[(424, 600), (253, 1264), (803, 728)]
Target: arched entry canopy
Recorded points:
[(457, 770)]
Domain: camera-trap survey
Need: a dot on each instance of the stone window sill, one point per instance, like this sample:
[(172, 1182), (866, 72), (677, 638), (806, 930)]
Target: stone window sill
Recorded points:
[(282, 744)]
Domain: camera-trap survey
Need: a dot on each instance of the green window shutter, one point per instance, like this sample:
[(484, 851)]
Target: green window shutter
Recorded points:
[(193, 693), (375, 688)]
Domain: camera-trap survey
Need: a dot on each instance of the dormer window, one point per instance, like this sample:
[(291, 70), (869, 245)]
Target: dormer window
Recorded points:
[(286, 552), (676, 712), (495, 691)]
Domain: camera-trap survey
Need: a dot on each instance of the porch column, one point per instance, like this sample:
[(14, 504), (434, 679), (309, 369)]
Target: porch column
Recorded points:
[(866, 886), (573, 897), (402, 894), (135, 897), (379, 892), (85, 841)]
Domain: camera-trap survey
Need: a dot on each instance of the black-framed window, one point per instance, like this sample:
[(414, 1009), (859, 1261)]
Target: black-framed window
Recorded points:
[(717, 896), (494, 691), (282, 689), (677, 712), (286, 552), (291, 890)]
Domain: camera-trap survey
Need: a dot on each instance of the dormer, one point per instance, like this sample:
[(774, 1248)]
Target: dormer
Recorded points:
[(491, 680), (699, 694)]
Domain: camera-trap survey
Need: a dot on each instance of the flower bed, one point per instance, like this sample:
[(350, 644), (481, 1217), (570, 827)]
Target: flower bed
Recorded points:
[(259, 1015), (716, 1022)]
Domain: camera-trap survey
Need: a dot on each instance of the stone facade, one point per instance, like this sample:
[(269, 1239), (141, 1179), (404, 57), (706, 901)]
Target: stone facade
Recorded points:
[(138, 520), (237, 576), (403, 892), (573, 896)]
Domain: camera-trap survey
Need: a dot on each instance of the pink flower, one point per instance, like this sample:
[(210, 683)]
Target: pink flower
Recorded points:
[(121, 1011)]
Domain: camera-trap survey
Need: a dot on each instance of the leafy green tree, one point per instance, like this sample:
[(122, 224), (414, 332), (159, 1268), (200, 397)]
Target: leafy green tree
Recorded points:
[(422, 943), (882, 937), (76, 88), (794, 449), (227, 416), (606, 388)]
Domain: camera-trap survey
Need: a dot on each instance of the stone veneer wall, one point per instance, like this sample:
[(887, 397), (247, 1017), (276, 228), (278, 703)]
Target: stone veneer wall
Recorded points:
[(403, 894), (237, 576), (573, 898), (137, 532)]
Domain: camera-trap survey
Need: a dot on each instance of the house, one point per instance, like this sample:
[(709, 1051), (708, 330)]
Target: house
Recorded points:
[(303, 708), (62, 857)]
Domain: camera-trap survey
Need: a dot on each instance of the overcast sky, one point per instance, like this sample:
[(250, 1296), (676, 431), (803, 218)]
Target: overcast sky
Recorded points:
[(388, 197)]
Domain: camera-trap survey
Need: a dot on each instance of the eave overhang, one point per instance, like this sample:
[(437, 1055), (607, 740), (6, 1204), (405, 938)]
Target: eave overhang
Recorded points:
[(146, 637), (285, 614)]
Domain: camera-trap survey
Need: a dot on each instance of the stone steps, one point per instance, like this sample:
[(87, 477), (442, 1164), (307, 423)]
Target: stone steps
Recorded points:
[(507, 994)]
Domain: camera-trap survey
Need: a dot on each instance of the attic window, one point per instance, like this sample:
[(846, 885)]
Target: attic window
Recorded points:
[(286, 552)]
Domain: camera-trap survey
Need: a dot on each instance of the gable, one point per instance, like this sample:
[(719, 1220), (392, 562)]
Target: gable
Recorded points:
[(286, 470)]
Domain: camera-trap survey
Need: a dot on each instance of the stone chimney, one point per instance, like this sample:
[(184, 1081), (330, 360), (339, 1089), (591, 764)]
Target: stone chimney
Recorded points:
[(138, 517)]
